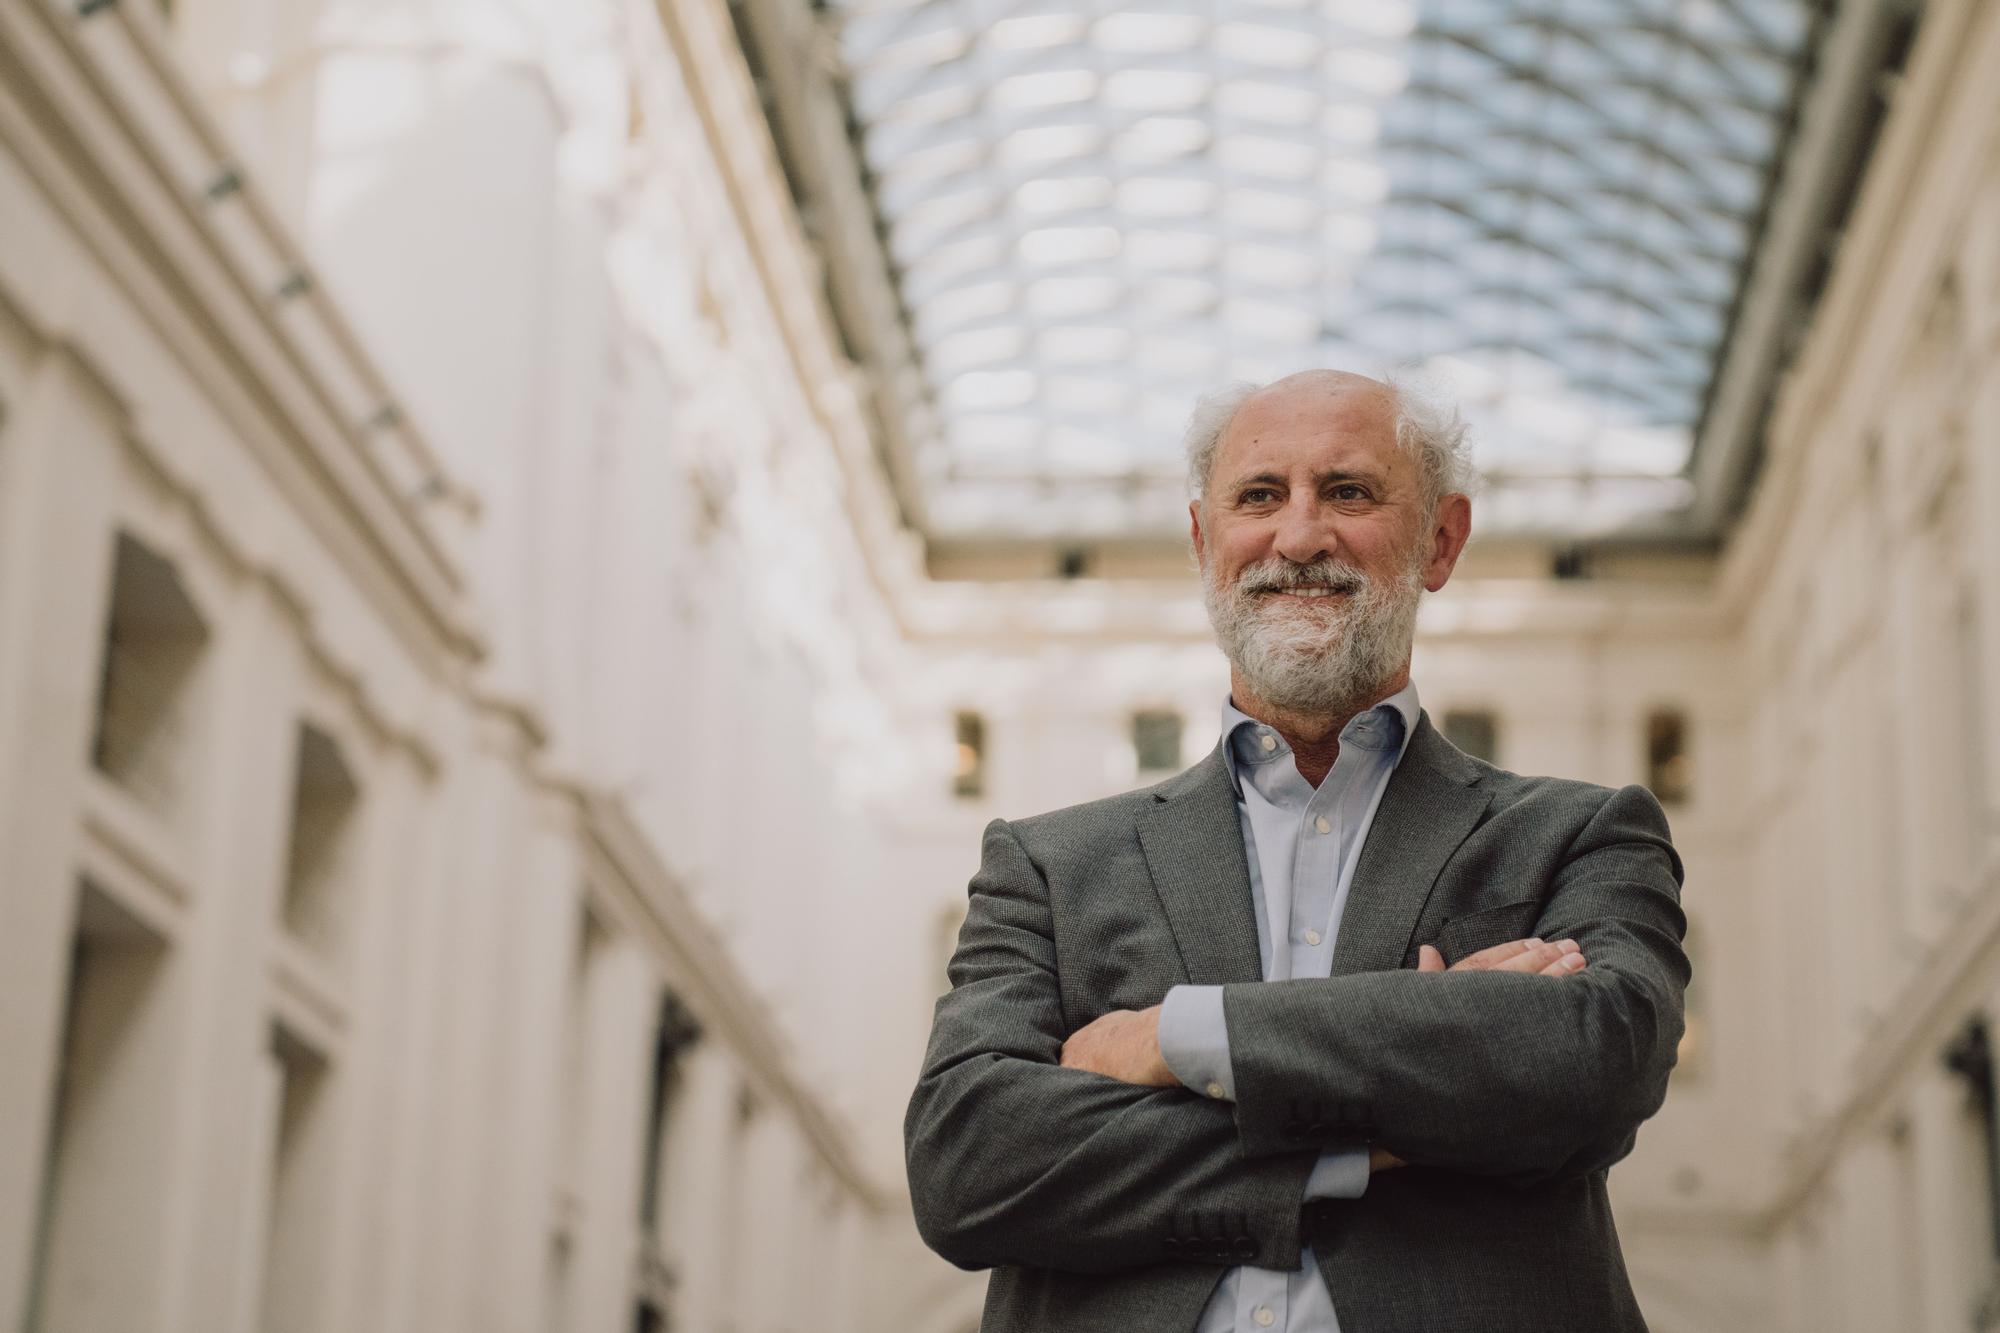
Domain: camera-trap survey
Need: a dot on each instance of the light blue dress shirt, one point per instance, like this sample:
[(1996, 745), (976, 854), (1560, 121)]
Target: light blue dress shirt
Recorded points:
[(1301, 845)]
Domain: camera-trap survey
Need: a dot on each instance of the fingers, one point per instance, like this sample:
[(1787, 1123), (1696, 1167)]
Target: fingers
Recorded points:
[(1381, 1159), (1429, 959), (1564, 965), (1498, 954), (1546, 959), (1550, 958)]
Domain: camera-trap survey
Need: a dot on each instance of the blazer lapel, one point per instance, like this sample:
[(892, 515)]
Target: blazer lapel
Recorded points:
[(1431, 804), (1194, 849)]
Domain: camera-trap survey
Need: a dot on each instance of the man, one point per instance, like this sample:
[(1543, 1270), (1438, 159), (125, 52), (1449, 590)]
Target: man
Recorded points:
[(1341, 1028)]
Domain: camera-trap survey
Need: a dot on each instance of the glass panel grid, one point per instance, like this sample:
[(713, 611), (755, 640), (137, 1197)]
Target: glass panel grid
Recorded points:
[(1098, 209)]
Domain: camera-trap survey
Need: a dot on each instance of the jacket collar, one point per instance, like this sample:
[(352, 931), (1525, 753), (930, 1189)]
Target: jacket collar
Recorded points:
[(1193, 843)]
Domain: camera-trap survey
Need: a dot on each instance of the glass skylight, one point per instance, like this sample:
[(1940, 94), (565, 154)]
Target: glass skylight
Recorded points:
[(1098, 210)]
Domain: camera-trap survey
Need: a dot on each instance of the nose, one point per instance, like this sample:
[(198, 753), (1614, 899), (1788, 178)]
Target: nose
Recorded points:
[(1303, 535)]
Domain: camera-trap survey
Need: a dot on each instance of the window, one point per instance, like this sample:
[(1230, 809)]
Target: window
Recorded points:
[(324, 798), (153, 642), (300, 1159), (1156, 740), (969, 775), (675, 1031), (1969, 1056), (1666, 755), (105, 1162), (1475, 731)]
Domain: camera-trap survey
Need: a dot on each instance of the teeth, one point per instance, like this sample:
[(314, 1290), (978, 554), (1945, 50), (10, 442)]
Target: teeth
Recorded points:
[(1307, 592)]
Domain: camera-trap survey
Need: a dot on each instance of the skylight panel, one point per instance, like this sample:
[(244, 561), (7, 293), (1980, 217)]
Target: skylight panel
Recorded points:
[(1269, 45), (1035, 32), (1043, 144), (1158, 89), (1042, 88), (1084, 344), (1160, 249), (1098, 209), (1152, 139), (1139, 32), (1167, 197), (1263, 155), (1087, 395), (1050, 247)]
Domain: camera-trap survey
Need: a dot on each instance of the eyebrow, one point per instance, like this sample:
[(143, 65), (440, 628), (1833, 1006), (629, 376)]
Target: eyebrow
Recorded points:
[(1319, 479)]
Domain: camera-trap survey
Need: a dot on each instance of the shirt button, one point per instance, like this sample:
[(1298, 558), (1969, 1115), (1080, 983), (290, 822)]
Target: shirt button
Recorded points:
[(1269, 742), (1322, 825), (1312, 937), (1265, 1316), (1213, 1089)]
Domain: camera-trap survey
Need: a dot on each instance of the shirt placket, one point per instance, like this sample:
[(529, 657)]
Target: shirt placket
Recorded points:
[(1315, 872)]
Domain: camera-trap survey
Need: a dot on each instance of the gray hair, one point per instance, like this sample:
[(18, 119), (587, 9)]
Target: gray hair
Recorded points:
[(1429, 427)]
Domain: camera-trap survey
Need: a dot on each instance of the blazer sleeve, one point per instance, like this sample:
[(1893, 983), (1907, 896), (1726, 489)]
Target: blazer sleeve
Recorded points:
[(1013, 1159), (1524, 1078)]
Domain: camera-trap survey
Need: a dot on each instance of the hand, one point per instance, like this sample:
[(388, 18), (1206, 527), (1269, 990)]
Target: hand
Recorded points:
[(1381, 1159), (1556, 958), (1124, 1044)]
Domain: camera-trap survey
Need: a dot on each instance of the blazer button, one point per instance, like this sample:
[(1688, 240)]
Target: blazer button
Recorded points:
[(1319, 1129), (1294, 1130), (1174, 1247), (1246, 1248)]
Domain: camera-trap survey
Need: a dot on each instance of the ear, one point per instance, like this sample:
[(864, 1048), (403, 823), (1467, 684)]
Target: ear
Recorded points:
[(1451, 526), (1194, 527)]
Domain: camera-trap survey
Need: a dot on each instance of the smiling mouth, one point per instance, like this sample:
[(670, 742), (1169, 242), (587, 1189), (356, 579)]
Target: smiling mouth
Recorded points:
[(1306, 592)]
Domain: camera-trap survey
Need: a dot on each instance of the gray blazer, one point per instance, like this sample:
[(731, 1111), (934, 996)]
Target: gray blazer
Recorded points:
[(1104, 1206)]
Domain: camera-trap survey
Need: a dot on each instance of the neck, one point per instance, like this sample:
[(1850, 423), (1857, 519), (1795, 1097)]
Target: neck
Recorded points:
[(1314, 737)]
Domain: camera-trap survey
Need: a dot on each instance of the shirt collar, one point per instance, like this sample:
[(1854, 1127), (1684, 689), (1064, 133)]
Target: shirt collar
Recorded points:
[(1387, 725)]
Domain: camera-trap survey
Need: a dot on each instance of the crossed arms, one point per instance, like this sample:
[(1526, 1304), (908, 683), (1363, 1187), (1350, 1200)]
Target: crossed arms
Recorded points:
[(1015, 1159)]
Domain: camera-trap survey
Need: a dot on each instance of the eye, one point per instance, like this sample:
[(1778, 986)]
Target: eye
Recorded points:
[(1256, 495), (1360, 492)]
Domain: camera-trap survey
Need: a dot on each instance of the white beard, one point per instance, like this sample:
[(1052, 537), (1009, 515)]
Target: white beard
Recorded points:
[(1320, 656)]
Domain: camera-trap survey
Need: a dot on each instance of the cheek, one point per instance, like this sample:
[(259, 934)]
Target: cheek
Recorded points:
[(1243, 545)]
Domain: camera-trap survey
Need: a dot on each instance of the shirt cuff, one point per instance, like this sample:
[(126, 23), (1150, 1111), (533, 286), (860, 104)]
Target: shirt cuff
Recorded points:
[(1194, 1040), (1340, 1173)]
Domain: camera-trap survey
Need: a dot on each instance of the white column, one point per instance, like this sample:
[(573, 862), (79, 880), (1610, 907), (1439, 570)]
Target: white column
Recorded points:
[(479, 851), (620, 997), (55, 549), (376, 1176), (1982, 465), (700, 1175), (1951, 1204), (539, 948), (244, 784)]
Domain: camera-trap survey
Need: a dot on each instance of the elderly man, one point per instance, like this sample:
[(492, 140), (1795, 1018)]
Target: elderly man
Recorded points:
[(1341, 1028)]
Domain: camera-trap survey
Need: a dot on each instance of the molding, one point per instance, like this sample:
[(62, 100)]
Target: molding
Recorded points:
[(1805, 197), (652, 901), (809, 116), (1914, 1027), (1883, 276), (717, 83), (99, 116)]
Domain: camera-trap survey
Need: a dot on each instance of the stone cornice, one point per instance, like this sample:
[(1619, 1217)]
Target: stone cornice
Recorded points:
[(97, 111)]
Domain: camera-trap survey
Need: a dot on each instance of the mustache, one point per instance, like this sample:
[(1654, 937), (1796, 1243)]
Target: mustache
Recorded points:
[(1280, 575)]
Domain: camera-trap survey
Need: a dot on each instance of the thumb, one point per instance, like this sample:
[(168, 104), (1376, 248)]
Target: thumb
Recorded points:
[(1429, 959)]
